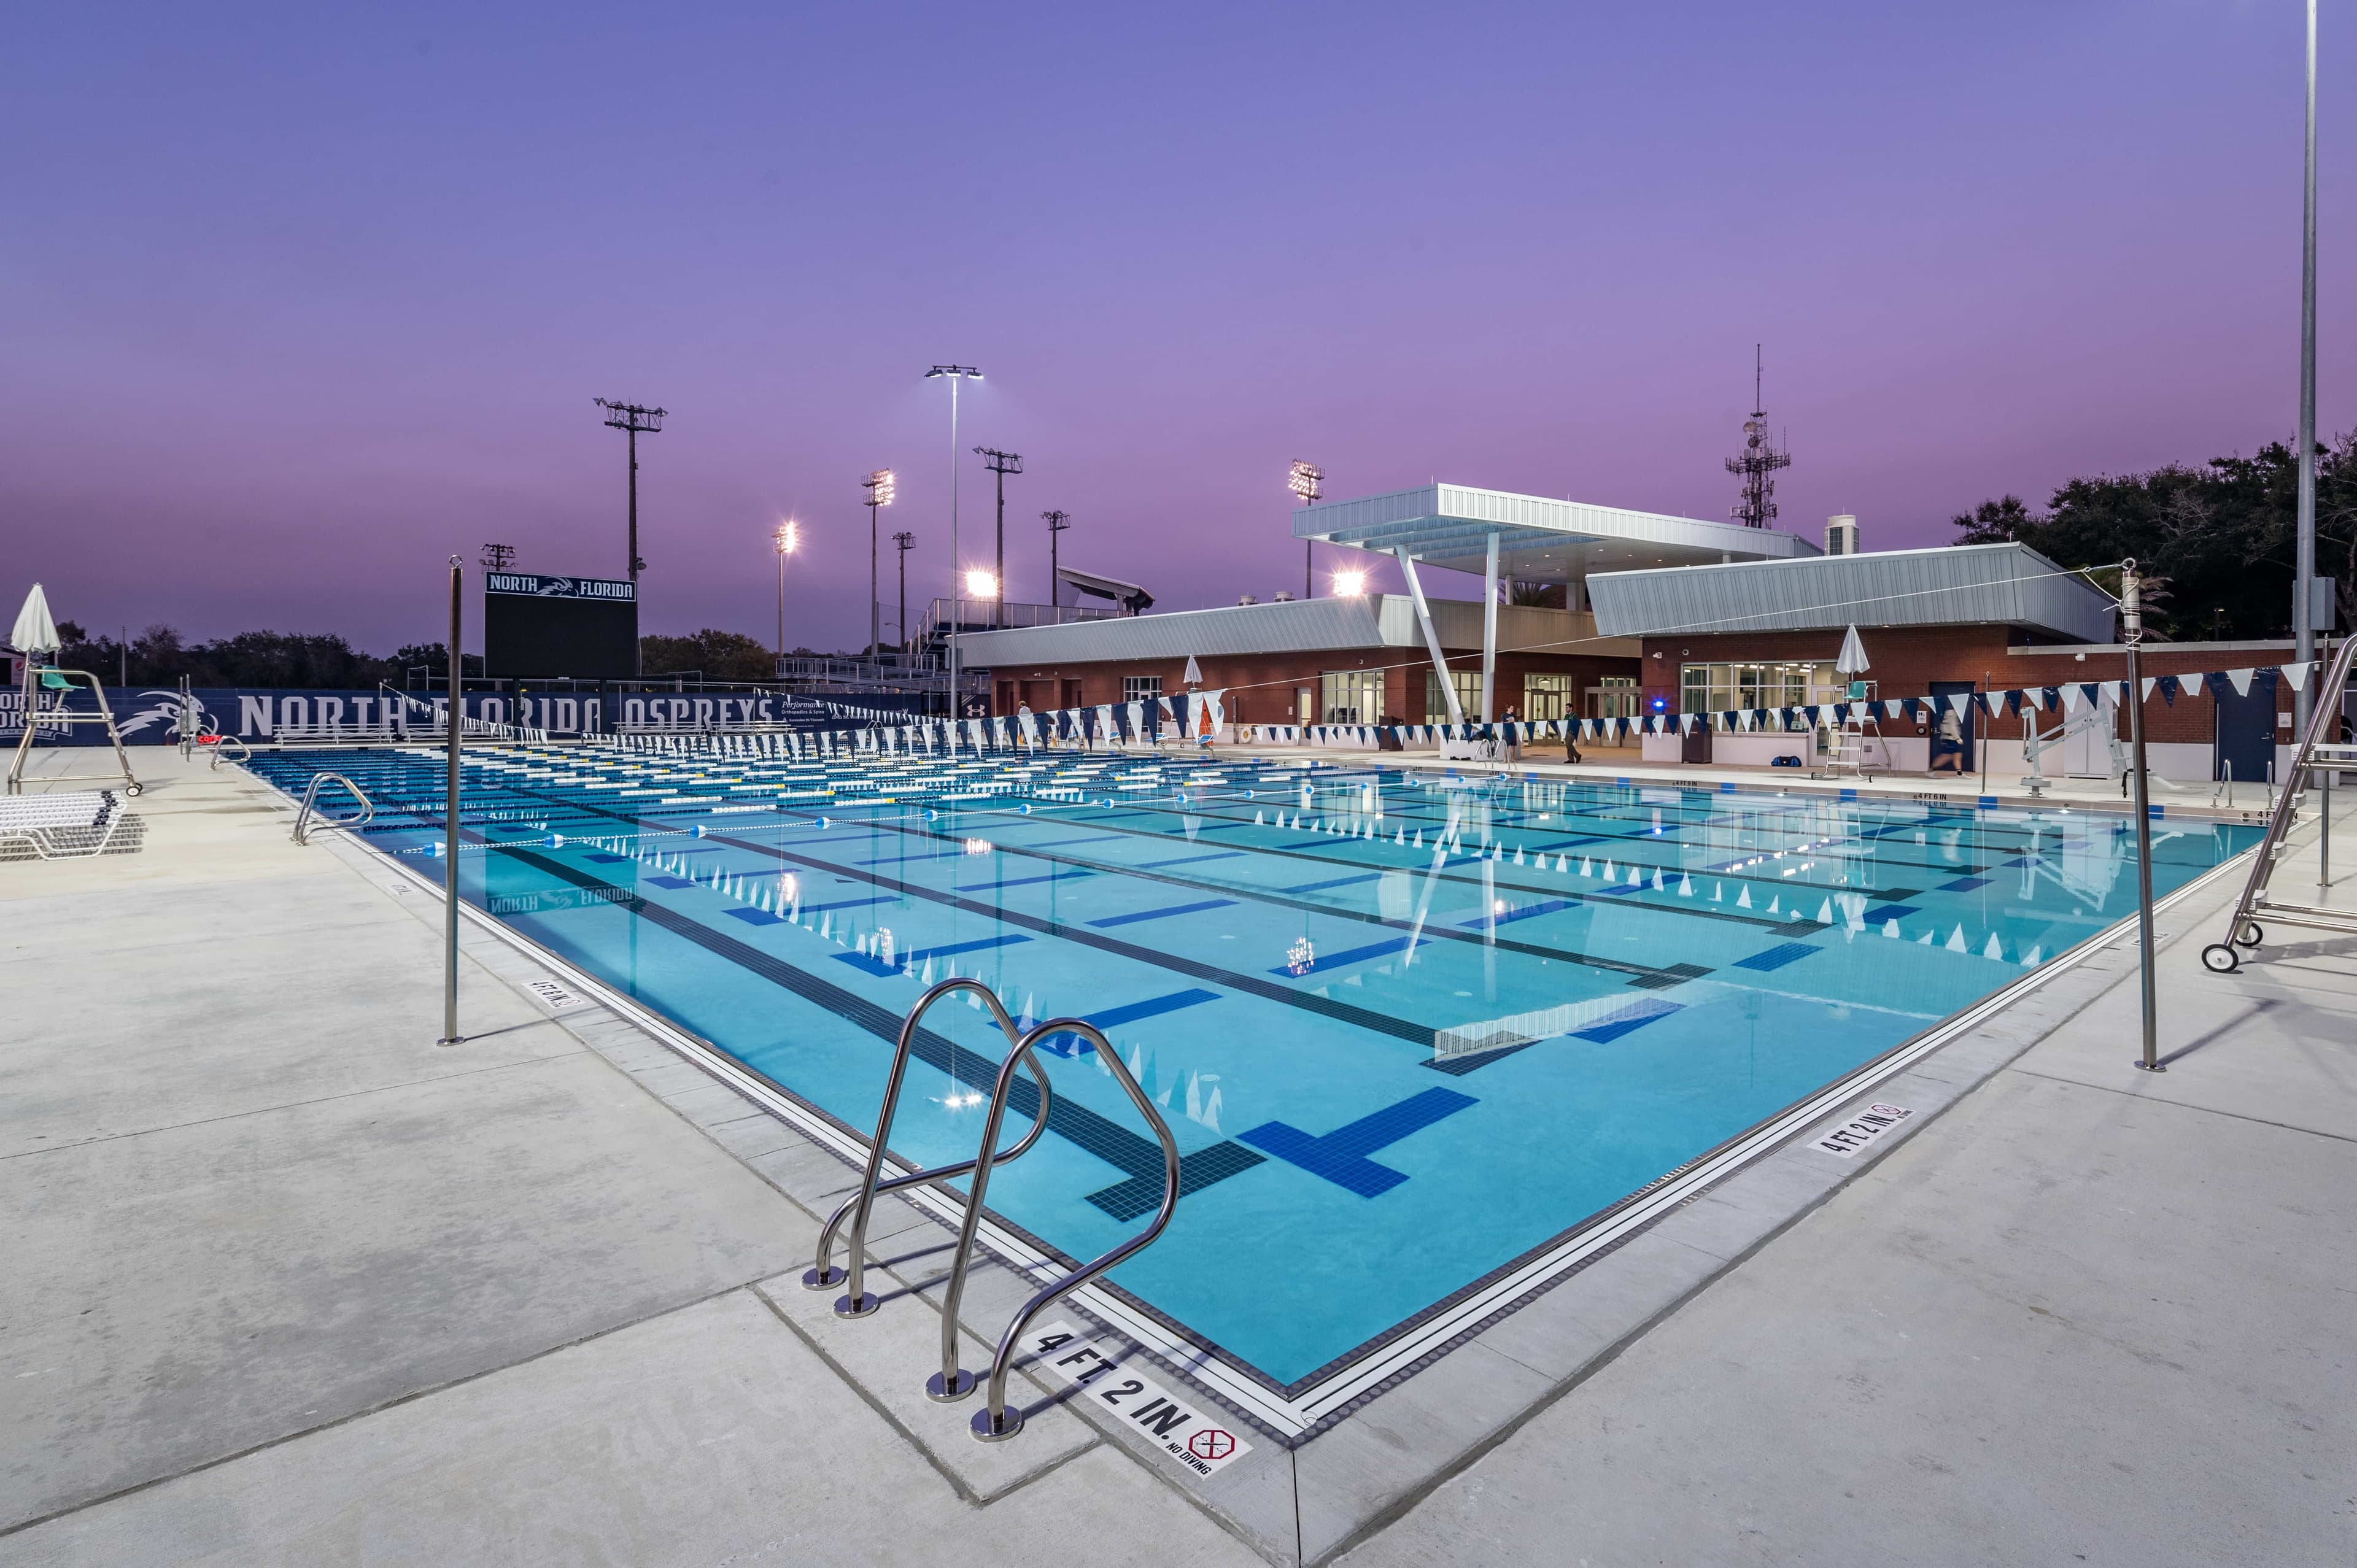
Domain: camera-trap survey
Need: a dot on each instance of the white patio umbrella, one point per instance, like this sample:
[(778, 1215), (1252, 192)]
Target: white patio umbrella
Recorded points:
[(1852, 660), (36, 631), (1194, 676)]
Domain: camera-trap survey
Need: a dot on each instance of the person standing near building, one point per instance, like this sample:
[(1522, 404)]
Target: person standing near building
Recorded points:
[(1947, 742)]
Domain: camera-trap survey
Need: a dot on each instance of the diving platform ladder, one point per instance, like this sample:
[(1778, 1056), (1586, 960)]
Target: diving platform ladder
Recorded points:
[(997, 1421), (2320, 754)]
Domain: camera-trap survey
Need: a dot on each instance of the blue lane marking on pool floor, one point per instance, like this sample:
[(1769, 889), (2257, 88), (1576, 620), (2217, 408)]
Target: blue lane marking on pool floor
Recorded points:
[(916, 956), (1635, 1015), (1333, 882), (1189, 860), (1069, 874), (754, 917), (1112, 1019), (1881, 912), (1340, 1156), (1346, 957), (1543, 906), (1163, 914), (1964, 884), (671, 882), (1776, 957)]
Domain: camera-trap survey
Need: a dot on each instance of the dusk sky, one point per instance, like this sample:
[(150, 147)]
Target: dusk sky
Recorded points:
[(301, 299)]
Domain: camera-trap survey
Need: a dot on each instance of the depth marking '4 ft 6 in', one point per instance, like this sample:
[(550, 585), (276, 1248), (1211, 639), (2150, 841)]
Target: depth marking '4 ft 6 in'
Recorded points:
[(1179, 1429)]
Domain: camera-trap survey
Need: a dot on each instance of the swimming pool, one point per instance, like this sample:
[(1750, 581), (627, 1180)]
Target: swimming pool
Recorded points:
[(1410, 1029)]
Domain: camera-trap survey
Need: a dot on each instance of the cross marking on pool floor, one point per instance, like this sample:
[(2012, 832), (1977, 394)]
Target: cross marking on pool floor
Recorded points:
[(1340, 1156)]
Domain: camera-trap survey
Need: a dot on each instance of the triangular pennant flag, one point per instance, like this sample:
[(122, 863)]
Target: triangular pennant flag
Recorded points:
[(2241, 681)]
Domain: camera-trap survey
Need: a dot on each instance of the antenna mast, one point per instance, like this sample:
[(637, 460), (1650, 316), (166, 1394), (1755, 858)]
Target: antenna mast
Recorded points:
[(1756, 465)]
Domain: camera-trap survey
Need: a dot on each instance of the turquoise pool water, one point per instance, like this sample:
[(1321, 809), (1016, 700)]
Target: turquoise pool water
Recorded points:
[(1408, 1028)]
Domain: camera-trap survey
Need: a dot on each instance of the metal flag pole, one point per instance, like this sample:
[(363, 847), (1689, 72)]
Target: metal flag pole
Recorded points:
[(2132, 619), (450, 829)]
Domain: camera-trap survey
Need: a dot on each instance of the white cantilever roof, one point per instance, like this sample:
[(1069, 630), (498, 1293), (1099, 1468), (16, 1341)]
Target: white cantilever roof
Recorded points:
[(1955, 584), (1539, 539)]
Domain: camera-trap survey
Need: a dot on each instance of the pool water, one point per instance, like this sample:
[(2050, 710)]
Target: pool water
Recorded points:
[(1407, 1027)]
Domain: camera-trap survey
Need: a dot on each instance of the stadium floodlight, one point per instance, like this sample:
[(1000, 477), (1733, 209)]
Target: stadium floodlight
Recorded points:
[(1349, 583), (1307, 481), (1001, 464), (785, 542), (954, 374), (879, 486), (981, 585), (634, 419)]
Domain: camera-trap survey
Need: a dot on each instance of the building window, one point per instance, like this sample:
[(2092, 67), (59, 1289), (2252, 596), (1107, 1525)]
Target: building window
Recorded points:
[(1548, 697), (1140, 688), (1615, 697), (1468, 696), (1715, 688), (1350, 696)]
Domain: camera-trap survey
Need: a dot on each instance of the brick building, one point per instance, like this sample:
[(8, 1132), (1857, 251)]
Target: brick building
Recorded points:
[(1358, 660), (1994, 618)]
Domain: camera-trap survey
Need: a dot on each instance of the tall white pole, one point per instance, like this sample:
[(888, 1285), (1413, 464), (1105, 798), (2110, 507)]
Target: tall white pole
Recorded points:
[(957, 585), (2304, 575), (1489, 633)]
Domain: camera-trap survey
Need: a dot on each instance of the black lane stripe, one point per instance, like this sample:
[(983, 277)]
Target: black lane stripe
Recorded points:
[(1138, 1157), (1640, 973)]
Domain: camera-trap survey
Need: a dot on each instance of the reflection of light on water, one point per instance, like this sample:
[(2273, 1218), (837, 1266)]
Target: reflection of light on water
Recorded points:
[(977, 846), (956, 1100), (1300, 956)]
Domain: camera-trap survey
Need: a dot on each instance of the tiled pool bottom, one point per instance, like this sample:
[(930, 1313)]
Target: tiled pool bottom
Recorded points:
[(1396, 1064)]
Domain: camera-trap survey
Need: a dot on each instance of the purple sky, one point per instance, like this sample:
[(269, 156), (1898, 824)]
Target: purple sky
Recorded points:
[(300, 299)]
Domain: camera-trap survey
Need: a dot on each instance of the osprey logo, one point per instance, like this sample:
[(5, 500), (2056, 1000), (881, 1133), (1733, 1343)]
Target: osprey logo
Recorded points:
[(163, 709), (556, 587)]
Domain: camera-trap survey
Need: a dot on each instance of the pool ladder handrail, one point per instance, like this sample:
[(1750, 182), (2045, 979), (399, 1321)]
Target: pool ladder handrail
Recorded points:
[(824, 1275), (2317, 756), (995, 1423), (303, 828)]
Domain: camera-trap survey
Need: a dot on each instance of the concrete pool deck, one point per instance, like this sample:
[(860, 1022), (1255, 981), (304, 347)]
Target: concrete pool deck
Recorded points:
[(289, 1284)]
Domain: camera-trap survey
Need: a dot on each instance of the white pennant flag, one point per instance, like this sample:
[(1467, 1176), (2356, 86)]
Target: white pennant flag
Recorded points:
[(2295, 675), (2241, 681)]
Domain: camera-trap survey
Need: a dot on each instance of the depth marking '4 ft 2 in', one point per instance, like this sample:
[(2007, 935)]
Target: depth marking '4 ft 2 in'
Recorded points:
[(1179, 1429)]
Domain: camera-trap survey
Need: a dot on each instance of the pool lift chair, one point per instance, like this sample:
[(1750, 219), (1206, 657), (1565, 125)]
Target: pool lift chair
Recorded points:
[(2103, 715), (997, 1421), (2320, 754), (48, 705)]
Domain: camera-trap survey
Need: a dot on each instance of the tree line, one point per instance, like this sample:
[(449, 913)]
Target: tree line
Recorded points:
[(2220, 535)]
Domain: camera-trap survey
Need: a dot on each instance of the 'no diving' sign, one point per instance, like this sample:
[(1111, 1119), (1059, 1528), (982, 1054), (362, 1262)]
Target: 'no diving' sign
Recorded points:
[(1201, 1443)]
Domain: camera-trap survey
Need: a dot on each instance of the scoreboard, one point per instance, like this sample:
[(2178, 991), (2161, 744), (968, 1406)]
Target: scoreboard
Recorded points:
[(539, 627)]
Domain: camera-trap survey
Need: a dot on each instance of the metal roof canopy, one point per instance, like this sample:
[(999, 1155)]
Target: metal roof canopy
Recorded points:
[(1539, 539), (1949, 585)]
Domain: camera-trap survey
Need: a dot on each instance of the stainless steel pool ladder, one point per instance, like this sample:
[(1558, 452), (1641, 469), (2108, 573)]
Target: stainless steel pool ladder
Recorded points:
[(302, 826), (995, 1422), (2320, 754), (857, 1208)]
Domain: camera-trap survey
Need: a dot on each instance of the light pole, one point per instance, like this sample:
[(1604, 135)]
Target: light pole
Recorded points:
[(1001, 464), (633, 418), (785, 542), (904, 542), (955, 373), (1307, 481), (1057, 522), (2303, 586), (879, 486)]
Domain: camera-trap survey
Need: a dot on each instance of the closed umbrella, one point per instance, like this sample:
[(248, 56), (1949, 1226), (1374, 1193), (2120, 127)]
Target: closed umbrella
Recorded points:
[(36, 631), (1852, 660), (1194, 676)]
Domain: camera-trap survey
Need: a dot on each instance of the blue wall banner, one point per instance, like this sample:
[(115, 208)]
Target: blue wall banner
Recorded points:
[(148, 716)]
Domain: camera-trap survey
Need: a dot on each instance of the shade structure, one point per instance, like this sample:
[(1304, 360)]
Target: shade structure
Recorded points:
[(1852, 660), (36, 631), (1194, 676)]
